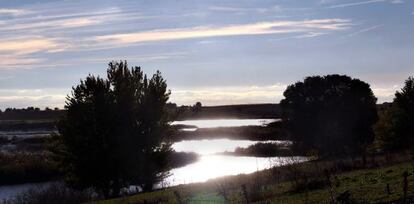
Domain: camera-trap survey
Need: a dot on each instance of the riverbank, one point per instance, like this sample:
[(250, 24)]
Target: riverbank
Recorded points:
[(344, 180)]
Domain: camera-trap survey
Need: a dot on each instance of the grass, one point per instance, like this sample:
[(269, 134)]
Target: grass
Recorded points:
[(311, 185)]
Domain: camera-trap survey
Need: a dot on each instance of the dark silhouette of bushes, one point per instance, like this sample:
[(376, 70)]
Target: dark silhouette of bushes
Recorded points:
[(332, 114), (21, 167), (261, 149)]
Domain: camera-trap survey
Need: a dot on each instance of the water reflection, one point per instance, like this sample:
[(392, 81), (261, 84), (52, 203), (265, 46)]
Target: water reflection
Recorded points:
[(213, 166), (225, 122)]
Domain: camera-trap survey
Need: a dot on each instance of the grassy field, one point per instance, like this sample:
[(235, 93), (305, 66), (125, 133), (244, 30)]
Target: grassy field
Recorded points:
[(310, 182)]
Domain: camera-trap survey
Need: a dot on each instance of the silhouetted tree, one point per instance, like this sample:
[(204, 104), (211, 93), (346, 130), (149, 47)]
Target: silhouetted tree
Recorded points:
[(197, 107), (395, 129), (114, 132), (332, 114)]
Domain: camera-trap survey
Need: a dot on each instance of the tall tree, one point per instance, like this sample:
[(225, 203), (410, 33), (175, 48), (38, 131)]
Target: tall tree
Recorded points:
[(114, 132), (332, 114), (395, 129)]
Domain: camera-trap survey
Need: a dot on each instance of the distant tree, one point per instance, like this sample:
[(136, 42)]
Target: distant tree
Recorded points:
[(395, 129), (332, 114), (114, 131), (197, 107)]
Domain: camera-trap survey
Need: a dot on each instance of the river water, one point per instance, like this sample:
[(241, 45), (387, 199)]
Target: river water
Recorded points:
[(210, 164)]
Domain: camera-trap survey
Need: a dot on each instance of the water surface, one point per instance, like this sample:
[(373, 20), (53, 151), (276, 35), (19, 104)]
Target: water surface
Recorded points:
[(210, 164), (212, 123)]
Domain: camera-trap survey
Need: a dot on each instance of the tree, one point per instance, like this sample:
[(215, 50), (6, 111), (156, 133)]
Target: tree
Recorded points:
[(197, 107), (332, 114), (114, 131), (395, 129)]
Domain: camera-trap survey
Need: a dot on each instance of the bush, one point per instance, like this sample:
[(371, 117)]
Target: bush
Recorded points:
[(22, 167), (264, 150), (56, 193)]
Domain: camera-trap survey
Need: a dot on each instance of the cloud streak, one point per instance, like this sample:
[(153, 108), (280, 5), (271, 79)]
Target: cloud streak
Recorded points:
[(360, 3), (260, 28), (14, 12), (229, 95), (364, 30), (21, 46)]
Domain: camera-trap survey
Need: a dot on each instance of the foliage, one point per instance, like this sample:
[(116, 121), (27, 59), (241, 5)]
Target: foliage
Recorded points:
[(55, 193), (395, 129), (332, 114), (263, 149), (22, 167), (114, 132)]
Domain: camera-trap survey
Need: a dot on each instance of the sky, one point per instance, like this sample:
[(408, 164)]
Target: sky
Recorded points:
[(217, 52)]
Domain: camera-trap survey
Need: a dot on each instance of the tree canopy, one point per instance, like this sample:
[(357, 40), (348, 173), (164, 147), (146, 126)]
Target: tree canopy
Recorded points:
[(332, 114), (395, 129), (114, 132)]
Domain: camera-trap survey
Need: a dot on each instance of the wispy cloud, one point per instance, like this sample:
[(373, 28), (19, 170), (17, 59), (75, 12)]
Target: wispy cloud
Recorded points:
[(229, 95), (54, 24), (21, 46), (21, 98), (364, 30), (385, 94), (242, 10), (14, 12), (9, 62), (359, 3), (16, 61), (260, 28)]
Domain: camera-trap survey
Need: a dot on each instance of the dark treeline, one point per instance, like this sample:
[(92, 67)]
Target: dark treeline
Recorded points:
[(31, 113), (198, 111)]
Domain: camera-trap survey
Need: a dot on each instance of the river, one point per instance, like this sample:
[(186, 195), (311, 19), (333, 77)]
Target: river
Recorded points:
[(209, 165)]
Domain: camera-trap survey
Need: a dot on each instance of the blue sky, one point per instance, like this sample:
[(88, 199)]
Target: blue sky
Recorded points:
[(216, 52)]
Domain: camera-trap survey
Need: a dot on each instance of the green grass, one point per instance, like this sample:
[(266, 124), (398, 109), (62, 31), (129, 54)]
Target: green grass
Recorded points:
[(364, 186)]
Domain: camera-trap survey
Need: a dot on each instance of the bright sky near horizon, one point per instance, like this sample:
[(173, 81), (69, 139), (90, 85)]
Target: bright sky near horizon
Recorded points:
[(217, 52)]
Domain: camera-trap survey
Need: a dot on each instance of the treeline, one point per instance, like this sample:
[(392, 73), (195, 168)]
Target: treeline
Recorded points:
[(31, 113), (198, 111)]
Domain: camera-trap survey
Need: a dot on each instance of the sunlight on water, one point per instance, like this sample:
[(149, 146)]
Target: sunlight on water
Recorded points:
[(224, 122), (213, 166)]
